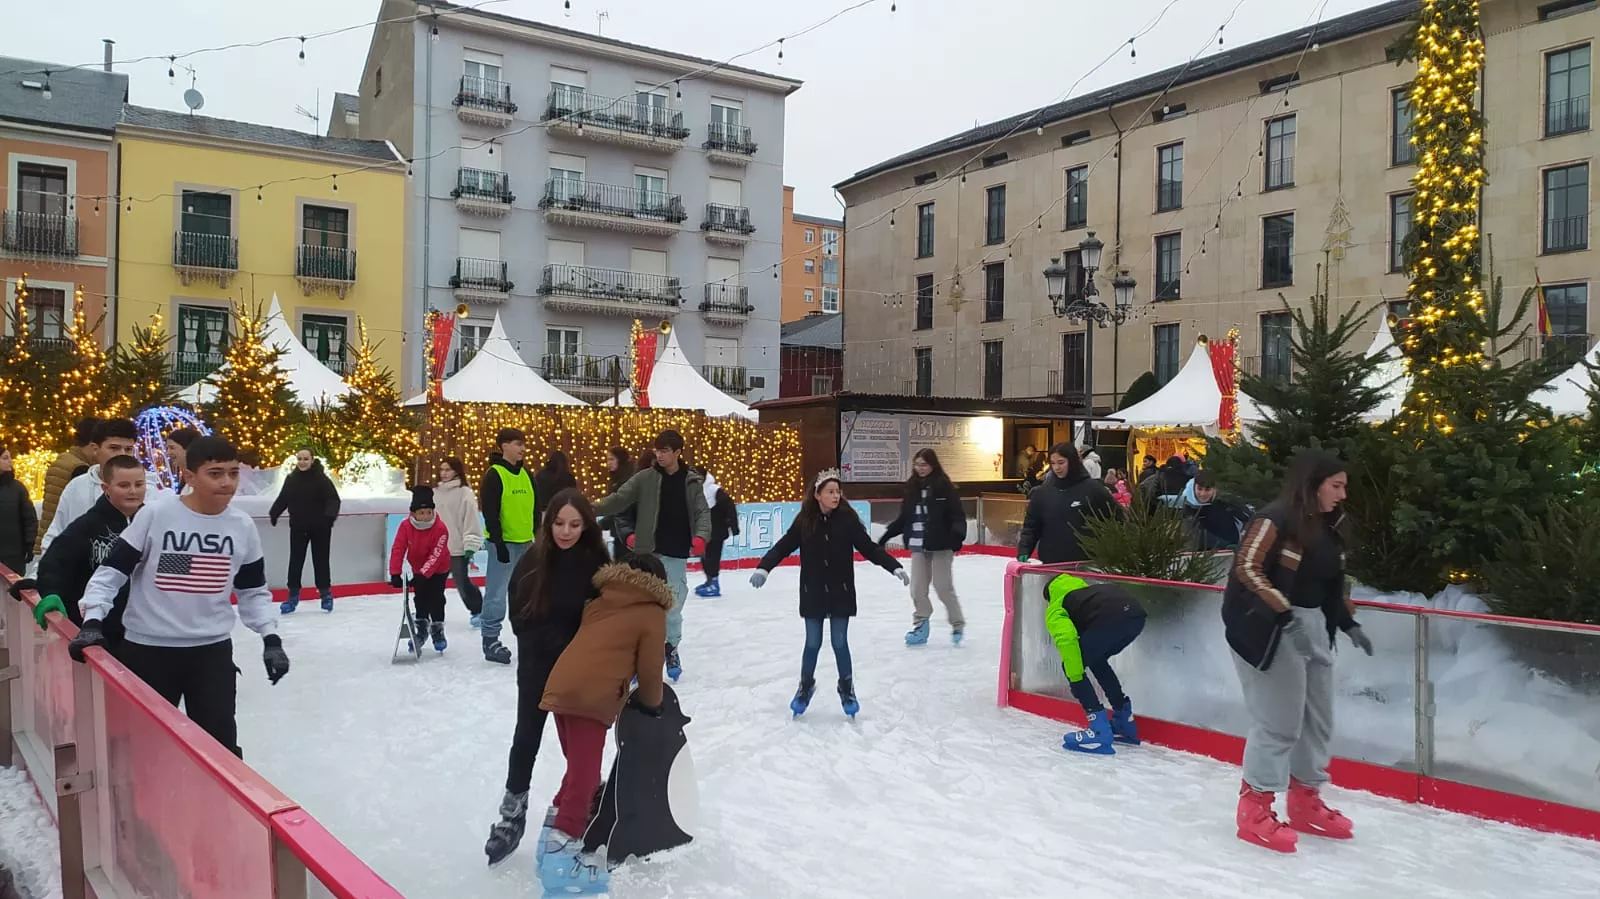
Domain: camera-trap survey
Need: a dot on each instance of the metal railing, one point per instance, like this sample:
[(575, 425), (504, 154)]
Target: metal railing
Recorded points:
[(40, 233), (1168, 288), (1564, 234), (730, 219), (485, 93), (1571, 345), (325, 263), (482, 184), (194, 250), (595, 372), (727, 378), (727, 298), (634, 115), (1280, 172), (1566, 116), (481, 274), (190, 367), (611, 284), (730, 138), (1169, 194), (612, 199)]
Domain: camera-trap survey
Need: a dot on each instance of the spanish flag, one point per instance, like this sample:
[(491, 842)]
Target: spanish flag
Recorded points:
[(1544, 310)]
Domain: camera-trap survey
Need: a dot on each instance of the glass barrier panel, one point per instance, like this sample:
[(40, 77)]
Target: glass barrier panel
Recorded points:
[(54, 706), (1516, 709), (1002, 518), (1375, 699), (176, 831)]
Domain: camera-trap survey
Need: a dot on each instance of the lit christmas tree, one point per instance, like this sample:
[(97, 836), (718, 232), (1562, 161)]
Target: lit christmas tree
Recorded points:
[(25, 398), (84, 380), (252, 404), (141, 371), (370, 415)]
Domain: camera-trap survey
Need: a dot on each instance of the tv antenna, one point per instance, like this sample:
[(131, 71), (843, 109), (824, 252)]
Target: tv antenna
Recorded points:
[(314, 115), (600, 22), (192, 97)]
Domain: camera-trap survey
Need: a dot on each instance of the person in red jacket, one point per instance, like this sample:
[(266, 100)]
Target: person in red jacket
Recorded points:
[(424, 542)]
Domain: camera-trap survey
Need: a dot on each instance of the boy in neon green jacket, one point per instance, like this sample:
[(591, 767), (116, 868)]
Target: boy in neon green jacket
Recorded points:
[(1089, 624)]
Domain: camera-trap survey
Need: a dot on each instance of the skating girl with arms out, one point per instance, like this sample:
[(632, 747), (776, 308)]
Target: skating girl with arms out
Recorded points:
[(828, 534)]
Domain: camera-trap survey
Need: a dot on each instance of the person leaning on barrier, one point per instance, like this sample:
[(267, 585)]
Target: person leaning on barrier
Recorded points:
[(1089, 624), (1059, 507)]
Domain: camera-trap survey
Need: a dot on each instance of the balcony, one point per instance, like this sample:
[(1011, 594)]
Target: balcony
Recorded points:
[(643, 124), (730, 379), (484, 101), (582, 288), (325, 268), (1566, 116), (1564, 235), (610, 207), (587, 377), (481, 281), (482, 192), (727, 225), (729, 144), (40, 234), (205, 257), (726, 304), (190, 367)]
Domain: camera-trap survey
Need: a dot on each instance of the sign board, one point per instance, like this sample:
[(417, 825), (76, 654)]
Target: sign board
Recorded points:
[(876, 447)]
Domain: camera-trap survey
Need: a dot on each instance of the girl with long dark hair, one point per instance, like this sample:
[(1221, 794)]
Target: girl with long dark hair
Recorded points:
[(554, 477), (1058, 509), (828, 534), (935, 526), (1285, 600), (619, 468), (550, 587), (458, 508)]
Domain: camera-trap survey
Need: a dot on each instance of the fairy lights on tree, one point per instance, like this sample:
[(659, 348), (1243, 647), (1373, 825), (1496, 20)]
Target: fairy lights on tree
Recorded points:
[(84, 381), (370, 418), (253, 405), (25, 400), (141, 370)]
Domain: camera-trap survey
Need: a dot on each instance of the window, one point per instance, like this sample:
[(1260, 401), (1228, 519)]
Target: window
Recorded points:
[(1072, 260), (1399, 229), (1075, 138), (1277, 250), (567, 88), (811, 266), (47, 311), (994, 291), (469, 337), (923, 359), (925, 178), (994, 360), (1400, 309), (1170, 111), (562, 341), (821, 385), (1169, 178), (811, 235), (995, 159), (811, 295), (1166, 344), (830, 271), (482, 71), (1562, 8), (1073, 372), (924, 230), (1169, 266), (650, 104), (201, 338), (1402, 150), (830, 242), (325, 226), (1277, 329), (1566, 91), (326, 337), (41, 189), (726, 121), (995, 214), (1280, 153), (377, 82), (1568, 308), (207, 213), (1566, 208), (830, 299), (924, 302), (1077, 197), (566, 177), (652, 187)]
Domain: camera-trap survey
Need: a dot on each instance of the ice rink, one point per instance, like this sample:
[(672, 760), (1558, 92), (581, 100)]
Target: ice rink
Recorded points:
[(931, 792)]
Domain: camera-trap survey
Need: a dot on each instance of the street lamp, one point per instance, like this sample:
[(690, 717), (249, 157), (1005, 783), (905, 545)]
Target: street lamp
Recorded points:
[(1068, 303)]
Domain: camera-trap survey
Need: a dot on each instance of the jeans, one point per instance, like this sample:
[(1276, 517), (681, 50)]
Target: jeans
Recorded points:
[(1098, 645), (839, 630), (317, 539), (471, 596), (583, 742), (496, 581), (1291, 708), (678, 580)]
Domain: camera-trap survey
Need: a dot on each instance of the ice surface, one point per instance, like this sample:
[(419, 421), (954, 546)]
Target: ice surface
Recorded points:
[(28, 844), (933, 792)]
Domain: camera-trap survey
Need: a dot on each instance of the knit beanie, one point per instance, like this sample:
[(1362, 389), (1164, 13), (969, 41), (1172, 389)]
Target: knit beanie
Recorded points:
[(421, 497)]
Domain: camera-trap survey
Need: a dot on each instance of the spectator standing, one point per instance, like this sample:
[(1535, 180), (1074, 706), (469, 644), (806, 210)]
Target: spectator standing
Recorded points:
[(508, 501), (458, 509), (1058, 509), (619, 468), (554, 477), (19, 525), (312, 501)]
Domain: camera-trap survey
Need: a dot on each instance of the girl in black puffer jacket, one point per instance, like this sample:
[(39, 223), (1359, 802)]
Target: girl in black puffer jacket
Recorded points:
[(312, 502), (19, 525)]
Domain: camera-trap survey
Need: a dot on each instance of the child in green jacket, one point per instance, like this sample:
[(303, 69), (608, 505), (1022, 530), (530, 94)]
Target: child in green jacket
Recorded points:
[(1089, 624)]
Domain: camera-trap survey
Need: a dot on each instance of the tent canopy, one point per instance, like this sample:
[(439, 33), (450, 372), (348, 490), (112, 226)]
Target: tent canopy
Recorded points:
[(1190, 400), (313, 382), (1568, 392), (497, 374), (676, 384)]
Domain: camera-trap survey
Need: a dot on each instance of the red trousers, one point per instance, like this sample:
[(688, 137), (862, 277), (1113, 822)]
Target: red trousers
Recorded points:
[(583, 742)]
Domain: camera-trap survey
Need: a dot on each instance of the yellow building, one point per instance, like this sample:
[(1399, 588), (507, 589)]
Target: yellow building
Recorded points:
[(217, 212)]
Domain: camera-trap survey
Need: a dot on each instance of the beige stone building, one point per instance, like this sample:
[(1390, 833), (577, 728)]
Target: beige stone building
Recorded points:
[(1219, 187)]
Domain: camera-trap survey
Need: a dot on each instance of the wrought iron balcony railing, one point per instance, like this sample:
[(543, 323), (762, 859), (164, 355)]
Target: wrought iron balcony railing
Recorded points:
[(40, 234), (481, 274), (214, 251), (727, 378), (592, 372), (482, 184), (728, 219), (1566, 116), (325, 263), (588, 282), (729, 139), (612, 199), (189, 367), (1563, 235), (638, 114), (728, 299), (486, 94)]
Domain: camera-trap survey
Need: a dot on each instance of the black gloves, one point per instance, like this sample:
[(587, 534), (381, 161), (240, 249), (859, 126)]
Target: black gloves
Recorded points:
[(88, 635), (396, 582), (883, 541), (653, 711), (502, 554), (21, 584), (277, 661)]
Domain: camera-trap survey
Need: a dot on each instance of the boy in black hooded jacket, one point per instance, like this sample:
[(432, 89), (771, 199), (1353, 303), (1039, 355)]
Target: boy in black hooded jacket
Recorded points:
[(73, 556)]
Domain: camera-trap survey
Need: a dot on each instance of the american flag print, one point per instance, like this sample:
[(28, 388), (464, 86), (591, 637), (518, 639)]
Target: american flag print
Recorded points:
[(193, 572)]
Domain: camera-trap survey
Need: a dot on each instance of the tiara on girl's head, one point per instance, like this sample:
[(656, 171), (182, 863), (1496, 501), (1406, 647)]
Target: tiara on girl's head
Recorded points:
[(826, 475)]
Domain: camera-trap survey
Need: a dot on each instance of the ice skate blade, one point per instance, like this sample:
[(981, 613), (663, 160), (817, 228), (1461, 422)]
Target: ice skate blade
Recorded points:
[(1252, 839), (1315, 831), (1127, 741), (1088, 749)]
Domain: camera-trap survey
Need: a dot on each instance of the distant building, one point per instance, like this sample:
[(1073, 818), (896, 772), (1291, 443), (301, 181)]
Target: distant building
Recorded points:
[(811, 358), (813, 267), (345, 120)]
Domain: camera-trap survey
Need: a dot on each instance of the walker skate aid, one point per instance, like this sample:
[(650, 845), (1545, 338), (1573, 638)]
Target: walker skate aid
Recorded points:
[(408, 643), (651, 794)]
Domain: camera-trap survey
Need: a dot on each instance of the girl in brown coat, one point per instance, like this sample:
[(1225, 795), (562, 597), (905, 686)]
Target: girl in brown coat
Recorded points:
[(623, 636)]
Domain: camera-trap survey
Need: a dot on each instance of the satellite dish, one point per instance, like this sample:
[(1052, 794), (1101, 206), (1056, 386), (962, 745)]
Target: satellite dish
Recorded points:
[(193, 99)]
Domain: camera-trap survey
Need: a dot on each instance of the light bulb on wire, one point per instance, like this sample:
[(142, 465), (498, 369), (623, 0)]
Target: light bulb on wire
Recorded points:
[(302, 51), (172, 75)]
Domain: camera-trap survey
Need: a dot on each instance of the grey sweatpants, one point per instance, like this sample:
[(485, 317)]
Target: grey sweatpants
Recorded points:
[(1291, 708), (934, 568)]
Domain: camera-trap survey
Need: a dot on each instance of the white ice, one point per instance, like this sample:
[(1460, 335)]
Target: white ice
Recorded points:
[(932, 792), (28, 842)]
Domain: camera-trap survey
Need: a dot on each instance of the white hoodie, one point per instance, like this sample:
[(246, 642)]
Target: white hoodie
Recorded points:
[(711, 487), (456, 505), (80, 495)]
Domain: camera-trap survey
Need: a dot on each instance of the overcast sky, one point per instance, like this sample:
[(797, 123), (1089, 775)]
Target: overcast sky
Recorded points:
[(876, 83)]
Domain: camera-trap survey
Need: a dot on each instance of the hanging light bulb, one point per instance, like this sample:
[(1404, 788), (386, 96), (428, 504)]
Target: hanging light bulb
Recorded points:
[(1038, 131), (491, 153), (96, 205), (780, 48), (258, 194), (679, 84), (893, 6), (1219, 33), (434, 35), (302, 51), (172, 76), (569, 4), (1133, 52), (891, 220), (46, 92), (335, 183)]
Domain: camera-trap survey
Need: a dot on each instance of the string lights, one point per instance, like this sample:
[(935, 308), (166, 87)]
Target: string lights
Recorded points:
[(252, 404), (370, 418), (141, 371)]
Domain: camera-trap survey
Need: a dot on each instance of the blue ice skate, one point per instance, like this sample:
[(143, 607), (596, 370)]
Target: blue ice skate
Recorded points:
[(288, 606), (956, 635), (1123, 727), (565, 872), (1096, 738), (436, 631), (918, 635), (847, 697), (544, 833), (476, 622), (674, 664), (710, 588), (327, 601), (802, 697)]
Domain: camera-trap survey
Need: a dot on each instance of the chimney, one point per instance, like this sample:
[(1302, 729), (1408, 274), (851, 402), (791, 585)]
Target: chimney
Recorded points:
[(109, 44)]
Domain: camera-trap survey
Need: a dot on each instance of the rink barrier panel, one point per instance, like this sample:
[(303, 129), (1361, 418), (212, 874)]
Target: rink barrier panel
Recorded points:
[(146, 803), (1419, 787)]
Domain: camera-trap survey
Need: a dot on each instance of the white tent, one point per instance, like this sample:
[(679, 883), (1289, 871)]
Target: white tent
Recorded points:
[(313, 382), (1568, 393), (497, 374), (1190, 400), (1390, 375), (676, 384)]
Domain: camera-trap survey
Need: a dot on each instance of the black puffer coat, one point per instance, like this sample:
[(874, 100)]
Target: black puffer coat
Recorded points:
[(19, 523), (310, 498), (1056, 512), (828, 561), (73, 557), (945, 528)]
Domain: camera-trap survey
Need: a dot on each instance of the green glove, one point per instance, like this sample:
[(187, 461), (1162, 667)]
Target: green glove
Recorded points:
[(468, 557), (51, 603), (1022, 557)]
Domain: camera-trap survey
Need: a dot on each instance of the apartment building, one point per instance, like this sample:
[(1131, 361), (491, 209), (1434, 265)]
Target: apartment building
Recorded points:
[(813, 268), (1221, 188), (572, 183), (345, 118), (56, 125)]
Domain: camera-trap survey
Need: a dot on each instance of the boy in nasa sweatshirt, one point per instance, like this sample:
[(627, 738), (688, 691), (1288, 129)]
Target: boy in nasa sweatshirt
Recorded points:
[(185, 559)]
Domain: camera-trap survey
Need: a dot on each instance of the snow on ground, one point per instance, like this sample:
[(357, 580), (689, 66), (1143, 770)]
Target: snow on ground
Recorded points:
[(932, 792), (28, 844)]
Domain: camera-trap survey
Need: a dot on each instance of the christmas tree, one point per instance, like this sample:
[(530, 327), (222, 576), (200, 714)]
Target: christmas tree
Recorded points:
[(371, 414), (27, 415), (141, 371), (84, 378), (252, 403)]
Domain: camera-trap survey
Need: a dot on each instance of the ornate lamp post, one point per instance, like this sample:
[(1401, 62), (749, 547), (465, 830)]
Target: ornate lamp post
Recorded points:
[(1075, 305)]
